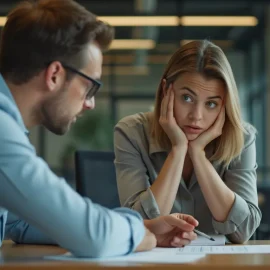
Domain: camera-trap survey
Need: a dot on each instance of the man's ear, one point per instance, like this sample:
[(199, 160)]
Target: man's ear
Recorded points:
[(54, 76)]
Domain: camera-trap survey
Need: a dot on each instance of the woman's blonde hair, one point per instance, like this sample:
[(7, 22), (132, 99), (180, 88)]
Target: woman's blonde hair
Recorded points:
[(205, 58)]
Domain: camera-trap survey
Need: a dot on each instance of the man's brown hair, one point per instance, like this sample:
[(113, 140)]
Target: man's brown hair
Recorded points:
[(39, 32)]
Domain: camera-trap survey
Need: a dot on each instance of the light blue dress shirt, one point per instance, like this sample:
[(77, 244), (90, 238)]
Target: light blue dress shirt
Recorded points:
[(29, 189)]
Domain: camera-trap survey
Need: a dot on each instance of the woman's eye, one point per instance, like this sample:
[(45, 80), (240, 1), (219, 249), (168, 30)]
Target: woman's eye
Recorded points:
[(187, 98), (211, 104)]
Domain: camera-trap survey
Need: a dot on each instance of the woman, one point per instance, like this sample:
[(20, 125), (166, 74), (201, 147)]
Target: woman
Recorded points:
[(194, 154)]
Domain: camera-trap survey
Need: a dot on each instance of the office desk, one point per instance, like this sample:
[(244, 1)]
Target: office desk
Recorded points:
[(14, 256)]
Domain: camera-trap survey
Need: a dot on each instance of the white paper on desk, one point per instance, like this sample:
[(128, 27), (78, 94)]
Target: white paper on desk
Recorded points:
[(234, 249), (157, 255), (202, 241)]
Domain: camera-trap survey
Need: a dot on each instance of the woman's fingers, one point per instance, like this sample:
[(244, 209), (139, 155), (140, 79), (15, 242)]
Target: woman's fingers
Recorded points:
[(165, 103), (223, 113), (217, 127), (163, 107), (170, 103), (168, 121)]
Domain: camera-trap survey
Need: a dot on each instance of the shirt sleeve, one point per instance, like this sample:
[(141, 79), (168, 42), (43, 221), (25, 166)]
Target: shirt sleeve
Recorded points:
[(245, 215), (30, 190), (131, 173), (21, 232)]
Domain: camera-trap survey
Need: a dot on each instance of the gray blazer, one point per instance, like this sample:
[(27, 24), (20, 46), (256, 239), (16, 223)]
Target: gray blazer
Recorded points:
[(139, 160)]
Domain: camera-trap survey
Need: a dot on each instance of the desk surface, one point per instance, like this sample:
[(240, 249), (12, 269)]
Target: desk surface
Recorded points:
[(14, 256)]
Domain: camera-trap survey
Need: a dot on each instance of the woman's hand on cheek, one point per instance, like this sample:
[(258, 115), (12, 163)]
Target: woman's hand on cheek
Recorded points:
[(199, 144), (168, 122)]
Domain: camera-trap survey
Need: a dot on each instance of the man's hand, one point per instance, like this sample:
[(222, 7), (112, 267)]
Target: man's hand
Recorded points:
[(174, 230), (149, 242)]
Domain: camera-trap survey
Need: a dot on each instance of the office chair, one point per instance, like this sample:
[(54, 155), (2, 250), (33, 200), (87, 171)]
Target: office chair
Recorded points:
[(96, 178), (264, 229)]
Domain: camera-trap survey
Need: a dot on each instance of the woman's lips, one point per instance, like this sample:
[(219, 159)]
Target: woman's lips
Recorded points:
[(192, 130)]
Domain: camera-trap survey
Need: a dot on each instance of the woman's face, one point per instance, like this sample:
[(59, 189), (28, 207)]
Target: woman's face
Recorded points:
[(197, 103)]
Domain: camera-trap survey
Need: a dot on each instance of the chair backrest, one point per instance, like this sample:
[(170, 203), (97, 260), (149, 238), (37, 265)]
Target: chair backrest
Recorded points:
[(263, 231), (96, 178)]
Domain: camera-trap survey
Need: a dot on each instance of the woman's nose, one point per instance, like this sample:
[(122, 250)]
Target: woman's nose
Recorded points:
[(196, 113)]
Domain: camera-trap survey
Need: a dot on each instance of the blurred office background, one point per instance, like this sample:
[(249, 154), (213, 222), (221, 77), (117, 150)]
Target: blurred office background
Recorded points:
[(147, 33)]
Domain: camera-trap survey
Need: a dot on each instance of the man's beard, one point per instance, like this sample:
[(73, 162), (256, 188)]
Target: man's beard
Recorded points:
[(55, 117)]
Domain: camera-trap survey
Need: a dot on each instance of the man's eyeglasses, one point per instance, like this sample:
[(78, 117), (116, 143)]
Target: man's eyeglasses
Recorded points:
[(95, 84)]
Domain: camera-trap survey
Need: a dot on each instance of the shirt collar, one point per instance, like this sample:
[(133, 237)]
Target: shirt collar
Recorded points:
[(8, 104), (154, 147)]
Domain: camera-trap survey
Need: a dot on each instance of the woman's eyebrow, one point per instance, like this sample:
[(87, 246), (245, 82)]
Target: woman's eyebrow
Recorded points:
[(188, 89), (191, 91), (214, 97)]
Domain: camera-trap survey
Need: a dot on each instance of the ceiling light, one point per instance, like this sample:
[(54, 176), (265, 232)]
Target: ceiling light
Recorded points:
[(219, 21), (141, 20), (174, 20), (132, 44), (3, 20)]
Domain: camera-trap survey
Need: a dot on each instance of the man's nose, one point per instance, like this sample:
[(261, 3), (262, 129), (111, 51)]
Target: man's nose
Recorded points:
[(89, 104)]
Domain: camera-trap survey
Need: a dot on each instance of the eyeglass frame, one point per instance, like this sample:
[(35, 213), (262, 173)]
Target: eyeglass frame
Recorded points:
[(96, 83)]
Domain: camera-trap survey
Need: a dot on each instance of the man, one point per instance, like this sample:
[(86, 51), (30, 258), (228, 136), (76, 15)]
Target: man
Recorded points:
[(50, 65)]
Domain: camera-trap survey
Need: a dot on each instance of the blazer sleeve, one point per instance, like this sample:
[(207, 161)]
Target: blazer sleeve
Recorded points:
[(131, 172), (245, 215)]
